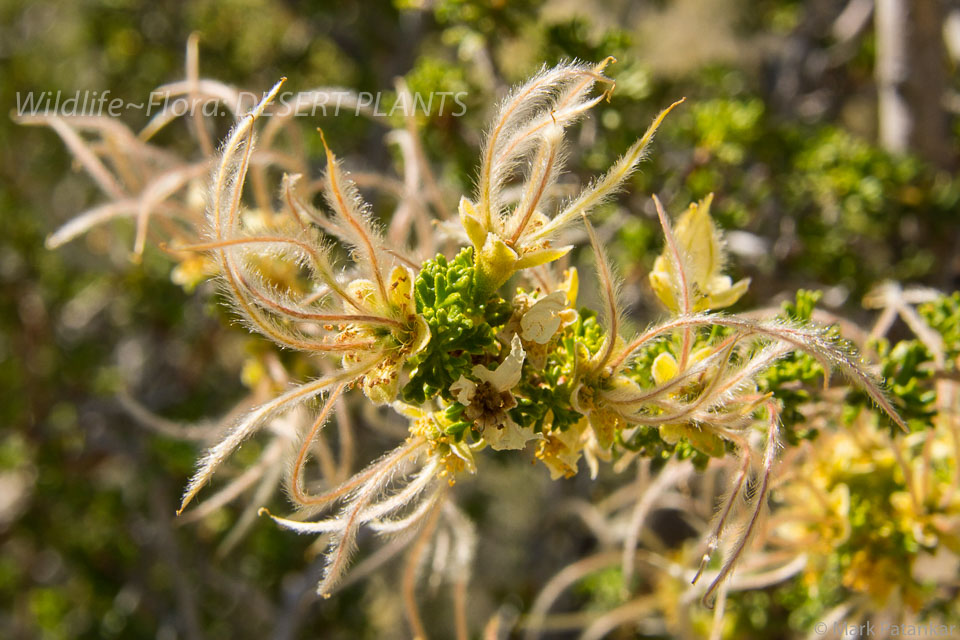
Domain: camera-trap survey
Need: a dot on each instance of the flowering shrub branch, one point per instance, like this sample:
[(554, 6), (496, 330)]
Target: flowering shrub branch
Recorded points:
[(470, 365)]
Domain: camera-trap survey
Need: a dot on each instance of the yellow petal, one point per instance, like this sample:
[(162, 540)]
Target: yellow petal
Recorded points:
[(252, 373), (700, 241), (471, 223), (701, 248), (663, 287), (362, 290), (726, 297), (561, 459), (671, 433), (541, 256), (421, 336), (664, 368), (561, 450), (381, 385), (706, 441), (400, 290), (605, 424), (571, 284), (700, 354), (408, 410), (192, 271), (620, 388), (702, 439)]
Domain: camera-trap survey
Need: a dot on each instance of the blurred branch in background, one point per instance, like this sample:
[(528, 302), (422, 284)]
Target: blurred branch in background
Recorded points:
[(912, 79)]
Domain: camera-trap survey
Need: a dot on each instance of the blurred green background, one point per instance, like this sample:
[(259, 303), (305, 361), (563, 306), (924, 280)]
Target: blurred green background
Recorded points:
[(781, 122)]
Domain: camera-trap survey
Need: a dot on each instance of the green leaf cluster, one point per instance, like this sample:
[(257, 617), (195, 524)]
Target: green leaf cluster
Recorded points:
[(943, 315), (908, 366), (462, 326), (548, 390)]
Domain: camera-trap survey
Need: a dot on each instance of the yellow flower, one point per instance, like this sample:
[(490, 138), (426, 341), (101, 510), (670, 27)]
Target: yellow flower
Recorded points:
[(560, 450), (700, 245), (605, 424), (664, 369), (876, 576), (454, 457), (496, 261), (381, 383), (701, 438), (193, 270)]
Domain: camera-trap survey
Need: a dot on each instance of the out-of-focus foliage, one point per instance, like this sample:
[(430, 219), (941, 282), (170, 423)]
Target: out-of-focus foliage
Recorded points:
[(88, 546)]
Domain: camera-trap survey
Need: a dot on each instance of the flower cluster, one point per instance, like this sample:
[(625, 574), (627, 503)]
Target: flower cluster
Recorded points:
[(471, 365), (861, 523)]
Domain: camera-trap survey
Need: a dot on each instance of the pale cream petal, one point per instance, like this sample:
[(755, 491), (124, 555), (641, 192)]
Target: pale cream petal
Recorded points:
[(463, 390), (564, 459), (719, 283), (507, 375), (541, 322), (510, 436)]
